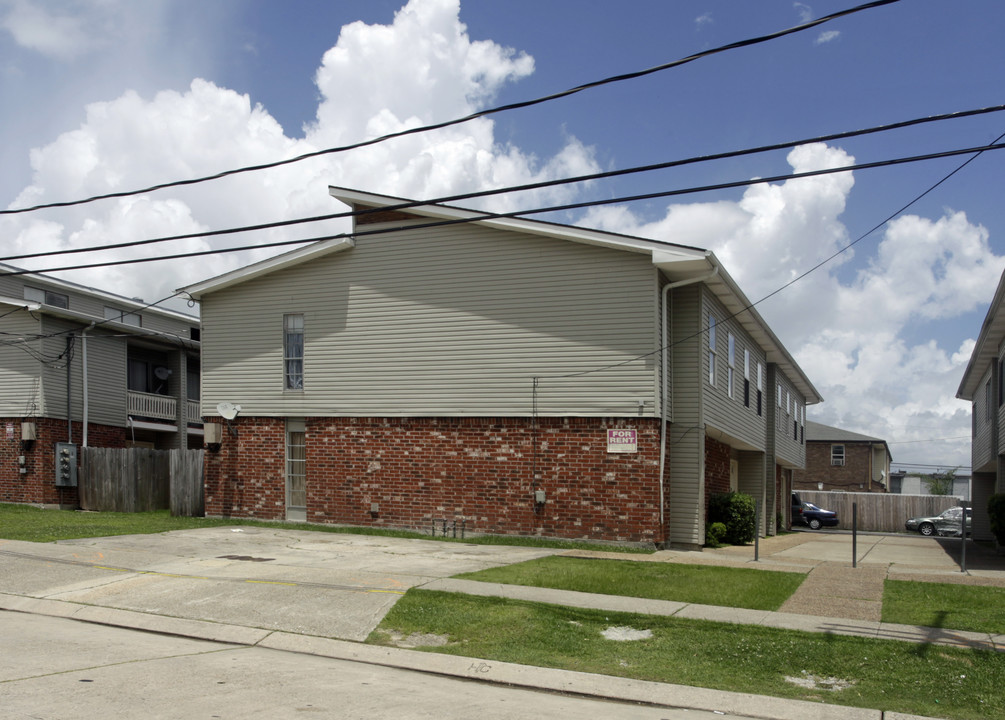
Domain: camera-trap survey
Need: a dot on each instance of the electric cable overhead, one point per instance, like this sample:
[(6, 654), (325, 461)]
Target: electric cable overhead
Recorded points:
[(524, 187), (536, 211), (473, 116)]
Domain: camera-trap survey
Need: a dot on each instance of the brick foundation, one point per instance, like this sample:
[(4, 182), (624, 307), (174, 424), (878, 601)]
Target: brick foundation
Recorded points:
[(717, 457), (419, 470), (38, 483)]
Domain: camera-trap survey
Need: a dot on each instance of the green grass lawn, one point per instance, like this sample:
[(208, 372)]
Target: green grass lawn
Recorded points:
[(945, 605), (704, 584), (887, 675)]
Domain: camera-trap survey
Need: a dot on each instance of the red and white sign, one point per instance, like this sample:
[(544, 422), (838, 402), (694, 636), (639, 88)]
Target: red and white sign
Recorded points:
[(622, 441), (10, 431)]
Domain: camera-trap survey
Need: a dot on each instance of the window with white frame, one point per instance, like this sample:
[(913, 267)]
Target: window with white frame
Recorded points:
[(731, 363), (837, 454), (711, 350), (293, 351), (47, 297), (760, 389), (123, 316), (746, 378)]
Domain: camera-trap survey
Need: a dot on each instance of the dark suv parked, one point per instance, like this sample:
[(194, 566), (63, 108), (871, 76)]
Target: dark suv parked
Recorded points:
[(806, 513)]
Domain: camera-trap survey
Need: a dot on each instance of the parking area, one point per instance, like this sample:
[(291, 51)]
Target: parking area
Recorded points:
[(316, 583)]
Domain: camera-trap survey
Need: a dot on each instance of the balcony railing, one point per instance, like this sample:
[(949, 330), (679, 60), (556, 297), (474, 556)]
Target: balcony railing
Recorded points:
[(194, 413), (148, 405)]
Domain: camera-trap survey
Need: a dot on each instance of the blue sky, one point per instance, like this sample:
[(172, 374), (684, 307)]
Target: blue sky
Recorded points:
[(112, 95)]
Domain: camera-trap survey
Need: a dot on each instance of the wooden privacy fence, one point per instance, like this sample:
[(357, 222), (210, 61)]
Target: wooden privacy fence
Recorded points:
[(140, 479), (878, 512)]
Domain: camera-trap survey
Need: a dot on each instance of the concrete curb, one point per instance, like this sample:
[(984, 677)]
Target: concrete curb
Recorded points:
[(481, 670)]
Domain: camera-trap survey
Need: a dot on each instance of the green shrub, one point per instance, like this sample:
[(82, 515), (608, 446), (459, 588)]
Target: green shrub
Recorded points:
[(996, 513), (714, 534), (736, 511)]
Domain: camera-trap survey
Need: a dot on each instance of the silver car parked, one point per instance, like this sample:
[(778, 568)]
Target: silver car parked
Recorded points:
[(948, 523)]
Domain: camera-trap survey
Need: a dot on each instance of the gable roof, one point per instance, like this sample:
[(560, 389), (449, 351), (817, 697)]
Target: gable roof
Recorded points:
[(825, 433), (677, 262), (988, 342)]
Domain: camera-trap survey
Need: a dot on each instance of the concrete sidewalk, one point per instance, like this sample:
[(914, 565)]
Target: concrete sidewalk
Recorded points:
[(309, 592)]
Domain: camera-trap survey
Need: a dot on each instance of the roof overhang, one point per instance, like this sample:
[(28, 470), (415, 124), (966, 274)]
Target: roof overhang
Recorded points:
[(89, 321), (986, 349), (124, 303), (264, 267)]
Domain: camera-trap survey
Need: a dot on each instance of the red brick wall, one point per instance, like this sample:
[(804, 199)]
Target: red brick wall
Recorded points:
[(419, 470), (847, 478), (717, 457), (38, 483)]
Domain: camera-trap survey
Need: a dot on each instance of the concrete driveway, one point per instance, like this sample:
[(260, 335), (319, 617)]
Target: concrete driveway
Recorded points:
[(315, 583)]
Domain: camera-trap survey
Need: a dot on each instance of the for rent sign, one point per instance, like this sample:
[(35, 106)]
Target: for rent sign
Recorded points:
[(622, 441)]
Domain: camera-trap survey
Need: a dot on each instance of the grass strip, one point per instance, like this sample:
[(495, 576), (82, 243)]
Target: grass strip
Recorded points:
[(703, 584), (886, 675), (34, 524), (945, 605)]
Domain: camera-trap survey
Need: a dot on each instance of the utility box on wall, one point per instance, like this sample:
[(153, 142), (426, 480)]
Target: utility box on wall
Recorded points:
[(66, 465)]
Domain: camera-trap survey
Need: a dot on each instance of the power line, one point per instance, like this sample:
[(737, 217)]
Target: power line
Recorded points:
[(555, 208), (458, 121), (525, 187)]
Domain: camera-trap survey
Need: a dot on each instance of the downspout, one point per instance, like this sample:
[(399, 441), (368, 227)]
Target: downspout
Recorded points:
[(664, 371), (69, 387), (83, 372)]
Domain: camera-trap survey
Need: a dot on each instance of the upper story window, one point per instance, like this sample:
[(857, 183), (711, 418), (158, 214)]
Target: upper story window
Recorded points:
[(293, 351), (746, 378), (731, 364), (837, 454), (123, 316), (760, 389), (47, 297), (711, 350)]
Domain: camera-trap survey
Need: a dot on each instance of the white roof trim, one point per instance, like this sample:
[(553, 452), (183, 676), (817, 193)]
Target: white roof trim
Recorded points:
[(130, 304), (29, 305), (264, 267), (986, 347)]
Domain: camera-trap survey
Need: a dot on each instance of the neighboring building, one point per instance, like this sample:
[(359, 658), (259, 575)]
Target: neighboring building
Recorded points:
[(507, 375), (903, 483), (70, 353), (983, 386), (843, 461)]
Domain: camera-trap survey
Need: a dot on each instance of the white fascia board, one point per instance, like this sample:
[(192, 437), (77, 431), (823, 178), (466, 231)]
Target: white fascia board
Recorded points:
[(571, 233), (740, 307), (119, 327), (249, 272), (24, 304), (986, 349), (126, 303)]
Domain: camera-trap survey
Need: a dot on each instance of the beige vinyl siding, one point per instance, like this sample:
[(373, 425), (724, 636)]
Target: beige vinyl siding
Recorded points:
[(443, 321), (106, 375), (789, 451), (982, 449), (729, 414), (689, 371), (19, 368)]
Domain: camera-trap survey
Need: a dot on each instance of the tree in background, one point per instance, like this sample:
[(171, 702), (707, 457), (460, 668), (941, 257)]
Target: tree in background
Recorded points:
[(940, 483)]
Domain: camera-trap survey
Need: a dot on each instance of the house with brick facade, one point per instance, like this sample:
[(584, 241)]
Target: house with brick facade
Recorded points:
[(843, 461), (983, 385), (512, 376), (83, 367)]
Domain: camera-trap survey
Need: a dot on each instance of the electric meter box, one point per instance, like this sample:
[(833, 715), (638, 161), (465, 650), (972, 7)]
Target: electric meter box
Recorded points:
[(66, 465)]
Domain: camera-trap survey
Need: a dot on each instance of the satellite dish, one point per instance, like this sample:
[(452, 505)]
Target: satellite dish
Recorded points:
[(228, 410), (162, 373)]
